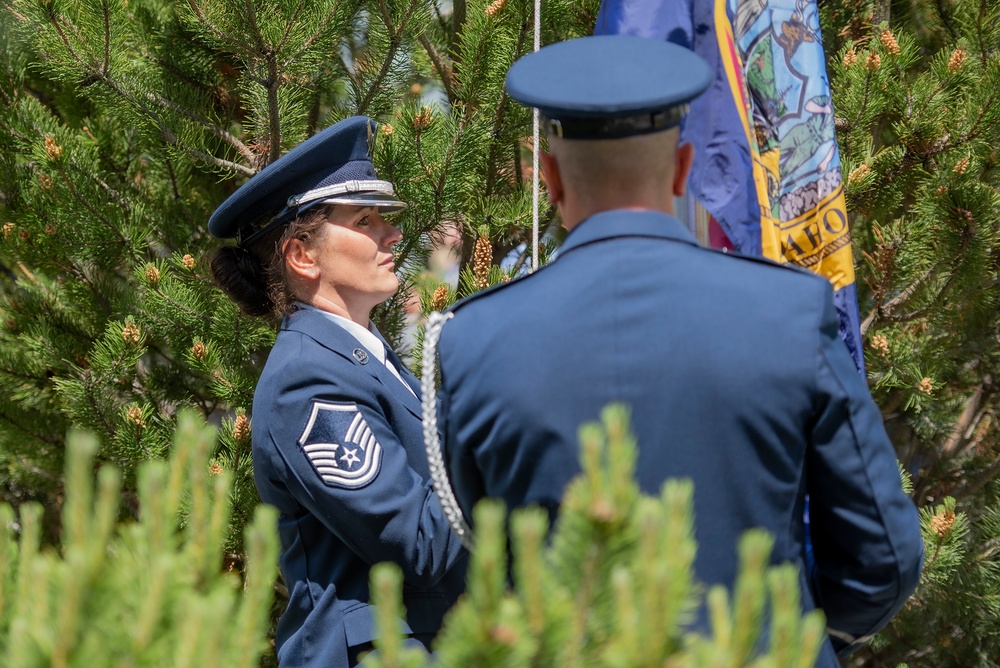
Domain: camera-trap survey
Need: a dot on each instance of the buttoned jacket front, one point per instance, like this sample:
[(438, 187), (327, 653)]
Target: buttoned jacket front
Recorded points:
[(735, 377), (349, 497)]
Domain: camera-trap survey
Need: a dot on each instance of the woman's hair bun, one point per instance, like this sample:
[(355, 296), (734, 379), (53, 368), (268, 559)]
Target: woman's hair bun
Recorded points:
[(244, 279)]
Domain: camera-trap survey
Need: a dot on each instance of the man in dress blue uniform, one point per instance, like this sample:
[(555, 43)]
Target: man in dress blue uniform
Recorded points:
[(732, 366)]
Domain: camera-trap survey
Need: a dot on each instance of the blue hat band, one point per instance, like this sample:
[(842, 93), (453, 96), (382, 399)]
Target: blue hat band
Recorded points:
[(619, 127)]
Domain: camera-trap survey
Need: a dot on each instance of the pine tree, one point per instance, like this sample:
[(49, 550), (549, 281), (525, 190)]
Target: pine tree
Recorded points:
[(916, 89), (614, 588), (149, 593), (126, 122)]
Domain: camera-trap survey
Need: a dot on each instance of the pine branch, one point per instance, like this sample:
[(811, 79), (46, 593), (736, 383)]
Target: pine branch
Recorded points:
[(449, 155), (164, 129), (395, 41), (25, 464), (331, 15), (288, 27), (983, 478), (273, 111), (221, 35), (179, 306), (886, 310), (458, 14), (107, 223), (174, 187), (56, 21), (445, 72), (79, 274), (974, 131), (437, 12), (191, 385), (984, 46), (219, 132), (270, 84), (962, 431), (498, 123), (883, 11), (219, 162), (523, 257), (112, 193), (945, 16), (988, 551), (106, 15)]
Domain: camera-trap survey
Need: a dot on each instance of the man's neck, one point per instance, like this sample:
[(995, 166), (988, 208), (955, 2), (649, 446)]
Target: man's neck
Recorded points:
[(574, 215)]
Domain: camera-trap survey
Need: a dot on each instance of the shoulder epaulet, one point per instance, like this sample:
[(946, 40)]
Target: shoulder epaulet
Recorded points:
[(760, 259), (493, 288)]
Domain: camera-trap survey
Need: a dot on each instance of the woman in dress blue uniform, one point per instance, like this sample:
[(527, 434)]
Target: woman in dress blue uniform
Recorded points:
[(337, 435)]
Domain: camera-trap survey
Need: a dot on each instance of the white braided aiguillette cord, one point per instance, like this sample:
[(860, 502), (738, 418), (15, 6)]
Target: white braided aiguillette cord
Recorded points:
[(432, 442), (535, 186)]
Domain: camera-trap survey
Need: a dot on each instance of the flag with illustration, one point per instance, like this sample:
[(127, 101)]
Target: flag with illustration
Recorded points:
[(767, 167)]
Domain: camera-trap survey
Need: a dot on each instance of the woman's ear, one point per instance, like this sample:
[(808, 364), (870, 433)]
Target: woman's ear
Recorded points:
[(299, 259)]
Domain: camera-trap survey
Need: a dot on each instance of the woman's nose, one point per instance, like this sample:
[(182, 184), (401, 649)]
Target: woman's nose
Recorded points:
[(393, 236)]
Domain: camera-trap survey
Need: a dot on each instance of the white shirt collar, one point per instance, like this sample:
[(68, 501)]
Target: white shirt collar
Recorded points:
[(365, 337)]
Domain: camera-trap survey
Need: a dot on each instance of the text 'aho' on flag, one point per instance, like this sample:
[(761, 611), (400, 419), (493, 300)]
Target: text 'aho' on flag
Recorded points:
[(767, 167)]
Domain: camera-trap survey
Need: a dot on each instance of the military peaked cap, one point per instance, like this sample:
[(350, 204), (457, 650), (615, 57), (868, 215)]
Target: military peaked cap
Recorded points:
[(333, 165), (609, 86)]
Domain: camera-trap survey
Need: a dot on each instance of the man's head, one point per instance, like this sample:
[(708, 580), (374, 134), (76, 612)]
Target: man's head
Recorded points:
[(644, 171), (612, 107)]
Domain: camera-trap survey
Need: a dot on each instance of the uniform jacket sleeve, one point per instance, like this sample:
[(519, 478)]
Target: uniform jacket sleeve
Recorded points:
[(392, 514), (865, 530)]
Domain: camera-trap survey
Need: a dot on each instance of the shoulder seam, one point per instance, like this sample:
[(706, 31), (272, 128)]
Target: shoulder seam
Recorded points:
[(494, 288)]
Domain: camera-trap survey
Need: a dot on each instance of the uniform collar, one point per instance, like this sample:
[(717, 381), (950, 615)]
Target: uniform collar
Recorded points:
[(627, 223), (368, 337), (313, 323)]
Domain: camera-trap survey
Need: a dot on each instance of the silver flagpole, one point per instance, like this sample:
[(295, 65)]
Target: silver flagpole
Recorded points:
[(535, 184)]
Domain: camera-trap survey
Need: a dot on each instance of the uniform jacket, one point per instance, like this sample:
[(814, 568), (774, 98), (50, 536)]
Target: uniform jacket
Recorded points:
[(338, 448), (736, 378)]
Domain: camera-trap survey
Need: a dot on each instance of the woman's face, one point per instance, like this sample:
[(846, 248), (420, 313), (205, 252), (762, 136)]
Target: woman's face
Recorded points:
[(355, 259)]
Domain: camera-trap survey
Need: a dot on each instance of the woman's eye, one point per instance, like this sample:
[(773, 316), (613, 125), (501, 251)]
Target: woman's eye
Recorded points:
[(363, 222)]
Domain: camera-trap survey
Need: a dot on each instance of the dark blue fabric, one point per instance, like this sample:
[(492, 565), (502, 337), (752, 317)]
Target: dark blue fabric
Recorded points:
[(736, 378), (846, 301), (573, 78), (332, 534), (334, 155)]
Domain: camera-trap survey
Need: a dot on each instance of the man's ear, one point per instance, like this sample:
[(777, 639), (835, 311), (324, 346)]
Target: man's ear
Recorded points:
[(553, 178), (682, 168), (299, 259)]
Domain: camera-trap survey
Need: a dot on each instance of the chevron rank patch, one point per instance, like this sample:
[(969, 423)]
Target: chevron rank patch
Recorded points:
[(340, 445)]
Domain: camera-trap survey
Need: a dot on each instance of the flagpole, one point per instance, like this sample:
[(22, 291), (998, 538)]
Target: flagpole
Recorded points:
[(535, 185)]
